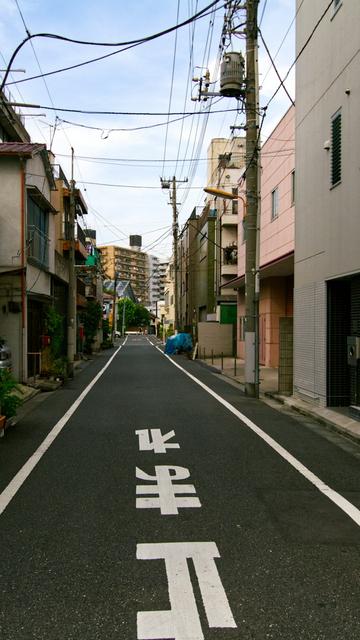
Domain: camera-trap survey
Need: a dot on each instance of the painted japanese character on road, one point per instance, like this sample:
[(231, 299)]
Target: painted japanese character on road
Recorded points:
[(167, 488)]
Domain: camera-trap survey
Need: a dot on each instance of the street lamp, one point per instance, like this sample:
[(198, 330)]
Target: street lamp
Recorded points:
[(226, 195)]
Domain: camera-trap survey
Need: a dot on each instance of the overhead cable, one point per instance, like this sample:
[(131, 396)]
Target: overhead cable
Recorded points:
[(129, 43)]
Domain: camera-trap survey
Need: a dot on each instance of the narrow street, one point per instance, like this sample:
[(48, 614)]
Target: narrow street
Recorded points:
[(164, 504)]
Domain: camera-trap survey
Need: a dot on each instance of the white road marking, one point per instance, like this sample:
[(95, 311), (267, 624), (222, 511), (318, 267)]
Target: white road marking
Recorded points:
[(165, 478), (335, 497), (13, 487), (182, 621), (158, 442)]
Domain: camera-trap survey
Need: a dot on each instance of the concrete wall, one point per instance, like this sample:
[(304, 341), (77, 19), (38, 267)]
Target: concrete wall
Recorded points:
[(10, 213), (327, 218), (215, 337)]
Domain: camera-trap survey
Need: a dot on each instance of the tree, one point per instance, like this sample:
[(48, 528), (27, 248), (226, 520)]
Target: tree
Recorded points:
[(91, 318), (129, 313), (142, 316), (135, 314)]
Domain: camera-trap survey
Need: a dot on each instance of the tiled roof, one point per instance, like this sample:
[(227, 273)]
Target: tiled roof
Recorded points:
[(20, 148)]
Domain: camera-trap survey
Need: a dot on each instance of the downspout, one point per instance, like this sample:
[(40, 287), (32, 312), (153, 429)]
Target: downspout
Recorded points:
[(22, 276)]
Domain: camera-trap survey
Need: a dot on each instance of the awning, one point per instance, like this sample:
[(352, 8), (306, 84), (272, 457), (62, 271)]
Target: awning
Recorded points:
[(40, 199)]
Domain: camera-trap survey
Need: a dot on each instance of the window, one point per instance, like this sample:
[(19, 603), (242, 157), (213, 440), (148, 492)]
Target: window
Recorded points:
[(292, 188), (274, 203), (38, 239), (335, 149)]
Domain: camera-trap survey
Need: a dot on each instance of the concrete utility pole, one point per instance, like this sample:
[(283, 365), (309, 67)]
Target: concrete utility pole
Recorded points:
[(114, 305), (165, 184), (252, 195), (175, 252), (71, 309)]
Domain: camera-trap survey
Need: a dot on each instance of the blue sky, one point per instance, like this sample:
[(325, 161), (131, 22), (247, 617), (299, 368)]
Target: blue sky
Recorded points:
[(135, 80)]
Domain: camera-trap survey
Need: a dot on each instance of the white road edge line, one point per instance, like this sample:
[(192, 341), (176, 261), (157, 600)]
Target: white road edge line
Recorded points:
[(335, 497), (14, 485)]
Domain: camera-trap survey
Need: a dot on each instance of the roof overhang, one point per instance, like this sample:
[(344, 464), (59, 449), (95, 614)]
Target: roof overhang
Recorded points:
[(282, 267), (40, 199)]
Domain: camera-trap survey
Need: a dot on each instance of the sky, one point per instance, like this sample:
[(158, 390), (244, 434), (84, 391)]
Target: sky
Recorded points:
[(119, 171)]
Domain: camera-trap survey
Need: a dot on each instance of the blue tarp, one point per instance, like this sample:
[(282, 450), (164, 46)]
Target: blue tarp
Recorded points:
[(182, 342)]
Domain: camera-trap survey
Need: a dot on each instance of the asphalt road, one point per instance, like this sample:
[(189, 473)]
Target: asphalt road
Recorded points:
[(246, 527)]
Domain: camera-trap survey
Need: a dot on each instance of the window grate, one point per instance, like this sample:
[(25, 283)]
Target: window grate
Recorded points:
[(336, 149)]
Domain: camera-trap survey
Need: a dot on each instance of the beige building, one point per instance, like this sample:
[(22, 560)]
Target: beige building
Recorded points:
[(327, 227), (27, 250), (226, 160), (128, 264)]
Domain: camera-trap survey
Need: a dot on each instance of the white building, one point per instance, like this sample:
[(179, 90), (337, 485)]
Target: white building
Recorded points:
[(327, 228)]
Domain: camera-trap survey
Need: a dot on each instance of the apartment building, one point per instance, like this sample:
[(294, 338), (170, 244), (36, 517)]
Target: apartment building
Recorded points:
[(226, 160), (276, 260), (327, 230), (128, 264)]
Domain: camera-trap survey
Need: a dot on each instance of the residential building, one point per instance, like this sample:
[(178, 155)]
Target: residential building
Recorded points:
[(188, 274), (226, 160), (153, 266), (327, 229), (162, 278), (12, 121), (27, 250), (128, 264), (168, 309), (276, 257)]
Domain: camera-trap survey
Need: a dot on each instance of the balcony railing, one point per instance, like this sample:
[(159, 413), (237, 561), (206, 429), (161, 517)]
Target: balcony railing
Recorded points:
[(80, 235), (38, 246)]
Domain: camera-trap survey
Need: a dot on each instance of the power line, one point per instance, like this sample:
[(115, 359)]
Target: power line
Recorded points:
[(171, 86), (129, 43), (262, 13), (133, 113), (275, 68), (302, 49)]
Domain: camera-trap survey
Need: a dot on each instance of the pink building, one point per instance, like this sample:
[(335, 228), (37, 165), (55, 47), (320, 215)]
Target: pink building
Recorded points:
[(277, 228)]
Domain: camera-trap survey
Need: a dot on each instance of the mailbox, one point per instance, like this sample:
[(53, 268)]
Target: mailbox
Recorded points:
[(353, 350)]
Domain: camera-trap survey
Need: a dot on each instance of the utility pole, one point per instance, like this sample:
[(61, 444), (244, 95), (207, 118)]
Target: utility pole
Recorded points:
[(71, 308), (114, 305), (175, 253), (165, 184), (252, 195)]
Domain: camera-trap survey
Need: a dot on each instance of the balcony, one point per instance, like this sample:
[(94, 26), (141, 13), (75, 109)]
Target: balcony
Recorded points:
[(80, 241), (229, 219)]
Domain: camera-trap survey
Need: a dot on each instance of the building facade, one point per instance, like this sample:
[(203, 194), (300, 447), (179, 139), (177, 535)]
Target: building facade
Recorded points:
[(27, 250), (226, 160), (276, 260), (128, 264), (327, 231)]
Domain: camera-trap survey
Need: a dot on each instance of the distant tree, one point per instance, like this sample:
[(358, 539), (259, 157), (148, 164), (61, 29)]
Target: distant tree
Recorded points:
[(130, 307), (135, 314), (142, 316)]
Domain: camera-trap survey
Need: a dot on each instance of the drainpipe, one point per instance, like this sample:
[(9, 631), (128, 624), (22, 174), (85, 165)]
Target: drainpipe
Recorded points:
[(23, 366)]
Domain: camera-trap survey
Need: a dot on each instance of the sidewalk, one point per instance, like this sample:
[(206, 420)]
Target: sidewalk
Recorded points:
[(336, 419)]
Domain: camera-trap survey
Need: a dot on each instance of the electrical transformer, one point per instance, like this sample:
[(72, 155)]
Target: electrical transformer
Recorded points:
[(232, 75)]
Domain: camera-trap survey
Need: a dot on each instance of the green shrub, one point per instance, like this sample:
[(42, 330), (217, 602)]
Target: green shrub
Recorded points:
[(9, 402)]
